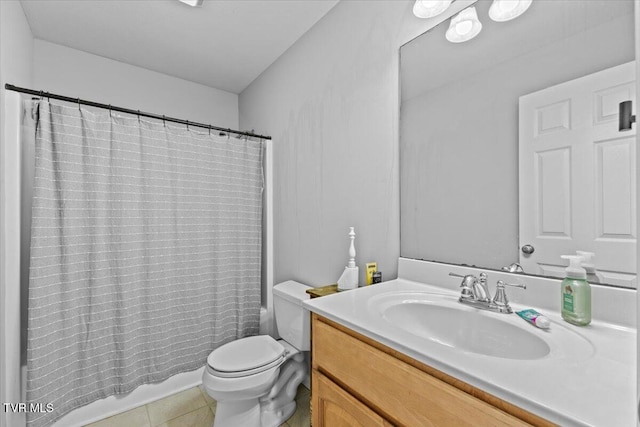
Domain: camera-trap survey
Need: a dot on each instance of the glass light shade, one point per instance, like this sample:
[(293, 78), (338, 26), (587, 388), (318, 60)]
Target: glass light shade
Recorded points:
[(193, 3), (430, 8), (464, 26), (506, 10)]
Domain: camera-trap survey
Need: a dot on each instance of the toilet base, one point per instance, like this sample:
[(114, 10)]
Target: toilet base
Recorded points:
[(270, 410), (238, 413), (280, 404), (276, 418)]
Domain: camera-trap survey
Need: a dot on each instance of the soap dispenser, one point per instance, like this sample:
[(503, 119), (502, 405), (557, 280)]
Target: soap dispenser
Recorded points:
[(349, 278), (576, 293), (588, 263)]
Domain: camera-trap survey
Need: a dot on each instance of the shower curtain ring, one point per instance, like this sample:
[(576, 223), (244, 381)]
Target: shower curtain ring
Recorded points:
[(187, 124), (138, 116), (228, 133), (79, 104), (163, 122), (209, 130)]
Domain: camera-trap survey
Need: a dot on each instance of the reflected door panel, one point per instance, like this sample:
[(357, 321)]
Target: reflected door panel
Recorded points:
[(577, 176)]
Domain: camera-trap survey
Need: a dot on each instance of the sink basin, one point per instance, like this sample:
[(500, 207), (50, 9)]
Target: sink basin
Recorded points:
[(466, 330), (439, 318)]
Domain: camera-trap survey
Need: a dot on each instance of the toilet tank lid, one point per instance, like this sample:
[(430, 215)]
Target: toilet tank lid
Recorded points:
[(292, 291)]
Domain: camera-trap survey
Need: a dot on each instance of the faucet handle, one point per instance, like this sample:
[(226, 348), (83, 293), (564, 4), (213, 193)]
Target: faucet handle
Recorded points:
[(466, 284), (500, 300), (515, 285), (467, 280)]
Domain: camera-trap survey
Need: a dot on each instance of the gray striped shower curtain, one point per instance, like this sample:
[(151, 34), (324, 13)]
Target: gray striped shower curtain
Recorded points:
[(145, 253)]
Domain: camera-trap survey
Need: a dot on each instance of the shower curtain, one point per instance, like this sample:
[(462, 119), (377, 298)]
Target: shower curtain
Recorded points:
[(145, 253)]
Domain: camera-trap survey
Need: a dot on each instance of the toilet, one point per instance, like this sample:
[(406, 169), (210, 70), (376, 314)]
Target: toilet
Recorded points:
[(254, 379)]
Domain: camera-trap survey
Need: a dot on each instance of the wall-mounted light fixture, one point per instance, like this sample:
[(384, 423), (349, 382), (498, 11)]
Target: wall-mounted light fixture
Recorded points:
[(430, 8), (464, 26), (506, 10), (625, 116), (193, 3)]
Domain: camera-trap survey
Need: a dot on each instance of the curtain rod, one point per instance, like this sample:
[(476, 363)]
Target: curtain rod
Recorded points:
[(139, 113)]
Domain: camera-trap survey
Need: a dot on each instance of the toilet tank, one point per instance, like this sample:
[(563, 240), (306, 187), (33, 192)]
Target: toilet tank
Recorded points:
[(292, 318)]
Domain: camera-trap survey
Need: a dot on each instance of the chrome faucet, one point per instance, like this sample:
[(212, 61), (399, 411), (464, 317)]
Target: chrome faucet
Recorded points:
[(481, 289), (475, 293), (514, 268)]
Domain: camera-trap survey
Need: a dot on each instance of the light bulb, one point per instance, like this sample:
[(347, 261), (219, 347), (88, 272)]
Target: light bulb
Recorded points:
[(430, 8), (193, 3), (506, 10), (464, 26)]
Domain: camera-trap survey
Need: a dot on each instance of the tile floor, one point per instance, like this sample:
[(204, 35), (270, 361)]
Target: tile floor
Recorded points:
[(192, 408)]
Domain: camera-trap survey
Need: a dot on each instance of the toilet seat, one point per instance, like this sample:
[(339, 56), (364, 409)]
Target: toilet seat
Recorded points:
[(246, 356)]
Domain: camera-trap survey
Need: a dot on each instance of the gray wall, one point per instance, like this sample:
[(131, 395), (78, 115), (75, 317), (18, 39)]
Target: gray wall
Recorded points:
[(328, 103), (74, 73), (459, 149), (331, 104)]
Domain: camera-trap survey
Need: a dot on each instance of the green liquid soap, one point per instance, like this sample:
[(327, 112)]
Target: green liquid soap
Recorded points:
[(576, 294)]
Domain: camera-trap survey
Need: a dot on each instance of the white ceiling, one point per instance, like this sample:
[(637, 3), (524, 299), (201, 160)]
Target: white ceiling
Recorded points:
[(224, 44)]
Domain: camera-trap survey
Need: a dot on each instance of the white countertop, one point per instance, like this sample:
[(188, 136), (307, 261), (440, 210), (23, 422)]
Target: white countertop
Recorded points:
[(595, 389)]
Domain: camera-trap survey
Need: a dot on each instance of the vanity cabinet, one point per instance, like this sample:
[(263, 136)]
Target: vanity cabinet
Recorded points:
[(358, 381), (337, 408)]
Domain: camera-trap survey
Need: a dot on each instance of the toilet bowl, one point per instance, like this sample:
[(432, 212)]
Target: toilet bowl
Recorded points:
[(254, 379)]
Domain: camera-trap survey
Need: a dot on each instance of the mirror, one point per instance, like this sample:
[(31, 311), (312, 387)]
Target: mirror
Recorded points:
[(511, 139)]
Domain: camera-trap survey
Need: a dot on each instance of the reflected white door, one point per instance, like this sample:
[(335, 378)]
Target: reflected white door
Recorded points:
[(577, 176)]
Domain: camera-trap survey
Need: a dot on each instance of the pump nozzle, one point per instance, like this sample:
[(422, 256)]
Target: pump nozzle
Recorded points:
[(575, 270), (588, 262)]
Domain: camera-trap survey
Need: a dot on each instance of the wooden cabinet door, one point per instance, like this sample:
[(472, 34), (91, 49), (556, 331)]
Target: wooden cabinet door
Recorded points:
[(334, 407)]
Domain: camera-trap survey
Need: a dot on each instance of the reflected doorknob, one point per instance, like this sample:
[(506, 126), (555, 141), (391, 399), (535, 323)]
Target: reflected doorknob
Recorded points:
[(528, 249)]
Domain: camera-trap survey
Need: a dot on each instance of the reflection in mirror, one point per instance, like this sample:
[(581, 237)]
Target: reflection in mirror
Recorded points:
[(509, 143)]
